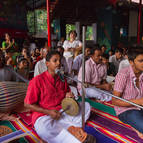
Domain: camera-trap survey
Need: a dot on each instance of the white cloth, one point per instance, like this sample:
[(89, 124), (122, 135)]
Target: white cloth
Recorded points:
[(60, 43), (77, 62), (93, 93), (67, 44), (64, 65), (65, 137), (32, 47), (123, 64), (52, 130), (74, 91), (69, 61), (110, 79), (68, 54), (40, 67)]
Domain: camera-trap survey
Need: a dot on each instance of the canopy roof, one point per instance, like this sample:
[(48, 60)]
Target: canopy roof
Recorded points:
[(84, 11)]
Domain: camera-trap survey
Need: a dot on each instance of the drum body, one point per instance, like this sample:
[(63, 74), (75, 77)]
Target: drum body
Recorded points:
[(11, 95)]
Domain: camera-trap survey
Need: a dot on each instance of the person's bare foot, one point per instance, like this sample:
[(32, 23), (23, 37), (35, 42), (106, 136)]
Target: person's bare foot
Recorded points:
[(138, 133), (81, 135)]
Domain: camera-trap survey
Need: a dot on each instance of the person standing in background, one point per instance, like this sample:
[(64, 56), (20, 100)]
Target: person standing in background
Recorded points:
[(72, 48)]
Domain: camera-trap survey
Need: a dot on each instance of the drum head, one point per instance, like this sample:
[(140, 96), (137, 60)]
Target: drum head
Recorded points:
[(72, 105)]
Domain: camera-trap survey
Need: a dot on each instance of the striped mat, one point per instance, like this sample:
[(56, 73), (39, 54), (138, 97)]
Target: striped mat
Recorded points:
[(103, 124), (24, 125), (109, 125), (31, 137), (100, 137)]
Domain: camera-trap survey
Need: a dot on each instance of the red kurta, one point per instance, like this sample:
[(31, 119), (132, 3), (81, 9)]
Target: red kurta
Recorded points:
[(46, 92)]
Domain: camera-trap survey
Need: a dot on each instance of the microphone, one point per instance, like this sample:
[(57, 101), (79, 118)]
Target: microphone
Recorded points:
[(60, 73)]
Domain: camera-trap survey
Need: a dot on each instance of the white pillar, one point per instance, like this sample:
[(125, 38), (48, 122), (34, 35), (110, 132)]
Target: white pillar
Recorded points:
[(94, 28), (77, 26)]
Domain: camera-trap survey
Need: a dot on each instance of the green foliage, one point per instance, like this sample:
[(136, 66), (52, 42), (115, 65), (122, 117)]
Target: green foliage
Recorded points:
[(89, 33), (30, 21), (40, 21), (69, 27)]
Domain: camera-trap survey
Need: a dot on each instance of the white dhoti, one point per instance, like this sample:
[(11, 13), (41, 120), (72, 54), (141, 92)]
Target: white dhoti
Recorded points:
[(55, 131), (74, 91), (69, 59), (93, 93)]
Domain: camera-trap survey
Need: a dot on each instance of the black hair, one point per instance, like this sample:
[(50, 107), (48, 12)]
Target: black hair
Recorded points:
[(103, 46), (73, 31), (134, 51), (94, 48), (89, 46), (60, 47), (2, 57), (119, 50), (51, 53), (21, 58), (62, 50), (27, 52), (7, 34), (106, 56), (8, 51), (111, 51), (36, 48)]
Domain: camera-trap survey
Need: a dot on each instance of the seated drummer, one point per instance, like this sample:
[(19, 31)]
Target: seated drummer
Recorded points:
[(95, 75), (44, 96), (129, 86)]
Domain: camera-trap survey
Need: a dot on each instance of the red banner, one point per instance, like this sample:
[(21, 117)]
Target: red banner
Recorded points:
[(14, 33)]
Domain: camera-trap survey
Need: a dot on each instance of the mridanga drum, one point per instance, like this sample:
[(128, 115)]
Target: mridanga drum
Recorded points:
[(11, 95)]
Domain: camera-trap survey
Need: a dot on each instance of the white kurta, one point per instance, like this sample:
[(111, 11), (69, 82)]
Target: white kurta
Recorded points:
[(40, 67)]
